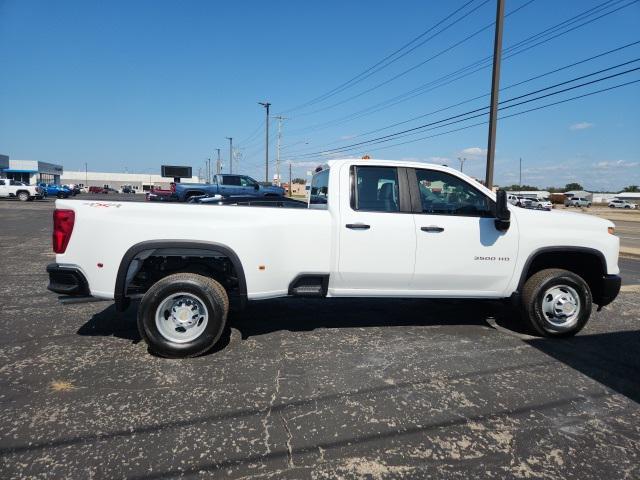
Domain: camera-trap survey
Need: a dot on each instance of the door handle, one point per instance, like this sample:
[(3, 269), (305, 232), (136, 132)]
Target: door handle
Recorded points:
[(432, 228), (358, 226)]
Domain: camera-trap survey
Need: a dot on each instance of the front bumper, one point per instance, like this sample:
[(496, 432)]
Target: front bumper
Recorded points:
[(67, 280), (610, 287)]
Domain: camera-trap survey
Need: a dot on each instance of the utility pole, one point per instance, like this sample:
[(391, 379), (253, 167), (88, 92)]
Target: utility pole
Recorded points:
[(218, 164), (290, 183), (280, 119), (230, 153), (520, 181), (266, 105), (86, 175), (495, 87), (208, 169), (462, 160)]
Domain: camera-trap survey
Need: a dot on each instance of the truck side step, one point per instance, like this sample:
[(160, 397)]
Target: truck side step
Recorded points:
[(309, 285)]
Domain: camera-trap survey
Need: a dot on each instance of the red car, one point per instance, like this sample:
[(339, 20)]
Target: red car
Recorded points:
[(98, 190), (162, 195)]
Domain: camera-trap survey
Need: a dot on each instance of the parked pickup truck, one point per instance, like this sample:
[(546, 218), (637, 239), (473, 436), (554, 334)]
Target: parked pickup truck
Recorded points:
[(19, 190), (227, 185), (371, 229), (54, 190)]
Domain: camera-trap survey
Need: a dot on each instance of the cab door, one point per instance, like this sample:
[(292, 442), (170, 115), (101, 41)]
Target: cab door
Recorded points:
[(459, 252), (376, 232)]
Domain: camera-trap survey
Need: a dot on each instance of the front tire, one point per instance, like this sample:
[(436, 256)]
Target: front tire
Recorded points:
[(183, 315), (556, 303), (23, 196)]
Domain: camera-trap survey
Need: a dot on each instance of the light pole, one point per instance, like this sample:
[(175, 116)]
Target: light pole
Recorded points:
[(266, 105), (230, 153), (280, 119), (219, 164), (86, 176), (495, 88), (520, 181), (461, 160)]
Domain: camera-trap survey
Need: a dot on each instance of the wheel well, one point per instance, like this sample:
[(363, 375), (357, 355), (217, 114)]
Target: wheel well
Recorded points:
[(193, 193), (18, 192), (146, 263), (588, 264)]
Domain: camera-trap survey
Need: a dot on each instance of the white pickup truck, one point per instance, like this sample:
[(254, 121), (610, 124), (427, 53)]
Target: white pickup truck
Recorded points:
[(371, 228), (19, 190)]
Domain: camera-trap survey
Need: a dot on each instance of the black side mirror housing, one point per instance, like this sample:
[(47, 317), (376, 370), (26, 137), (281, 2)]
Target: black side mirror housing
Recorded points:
[(503, 215), (257, 186)]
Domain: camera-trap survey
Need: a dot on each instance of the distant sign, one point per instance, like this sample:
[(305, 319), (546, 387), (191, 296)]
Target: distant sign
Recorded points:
[(174, 171)]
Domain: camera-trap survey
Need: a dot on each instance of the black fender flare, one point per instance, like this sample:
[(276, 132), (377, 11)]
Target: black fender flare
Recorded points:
[(559, 249), (119, 295)]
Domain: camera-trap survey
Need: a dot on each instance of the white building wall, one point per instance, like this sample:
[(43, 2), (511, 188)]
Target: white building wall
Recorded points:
[(140, 181)]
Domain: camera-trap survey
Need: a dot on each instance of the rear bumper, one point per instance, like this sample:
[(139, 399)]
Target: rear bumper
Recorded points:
[(67, 281), (610, 288)]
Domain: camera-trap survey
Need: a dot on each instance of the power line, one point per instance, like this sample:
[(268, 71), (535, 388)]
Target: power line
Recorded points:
[(482, 63), (358, 78), (416, 66), (552, 104), (409, 131)]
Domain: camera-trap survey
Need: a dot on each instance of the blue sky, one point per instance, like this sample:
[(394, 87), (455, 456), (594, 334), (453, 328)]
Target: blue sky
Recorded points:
[(135, 84)]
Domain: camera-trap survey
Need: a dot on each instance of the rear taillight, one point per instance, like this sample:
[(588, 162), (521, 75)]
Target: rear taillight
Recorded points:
[(172, 186), (63, 221)]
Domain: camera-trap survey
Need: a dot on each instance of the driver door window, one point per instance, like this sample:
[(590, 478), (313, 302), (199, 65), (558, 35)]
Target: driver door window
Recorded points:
[(444, 194)]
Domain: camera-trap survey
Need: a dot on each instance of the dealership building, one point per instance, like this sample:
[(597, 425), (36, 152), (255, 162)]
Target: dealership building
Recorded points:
[(30, 171), (139, 182)]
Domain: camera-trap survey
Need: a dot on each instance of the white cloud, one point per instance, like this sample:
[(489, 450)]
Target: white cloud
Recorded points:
[(474, 152), (439, 160), (581, 126), (605, 165)]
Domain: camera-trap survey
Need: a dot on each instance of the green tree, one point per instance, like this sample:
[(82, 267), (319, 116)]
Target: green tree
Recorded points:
[(631, 188), (573, 186)]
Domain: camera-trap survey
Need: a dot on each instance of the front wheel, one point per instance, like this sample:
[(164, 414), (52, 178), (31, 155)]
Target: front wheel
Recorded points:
[(556, 303), (23, 196), (183, 315)]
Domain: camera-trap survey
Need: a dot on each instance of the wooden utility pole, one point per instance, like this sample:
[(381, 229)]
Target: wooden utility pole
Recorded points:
[(495, 88)]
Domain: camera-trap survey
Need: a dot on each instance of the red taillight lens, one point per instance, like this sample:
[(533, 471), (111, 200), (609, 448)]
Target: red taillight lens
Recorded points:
[(63, 221), (173, 186)]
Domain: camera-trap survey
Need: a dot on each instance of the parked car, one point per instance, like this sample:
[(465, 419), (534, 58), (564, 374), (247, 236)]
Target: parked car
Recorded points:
[(541, 204), (227, 185), (577, 202), (98, 190), (127, 189), (54, 190), (454, 239), (23, 192), (621, 204)]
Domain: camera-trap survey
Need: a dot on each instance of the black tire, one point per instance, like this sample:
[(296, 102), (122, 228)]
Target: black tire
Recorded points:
[(60, 195), (213, 296), (533, 295), (23, 196), (627, 206), (612, 206)]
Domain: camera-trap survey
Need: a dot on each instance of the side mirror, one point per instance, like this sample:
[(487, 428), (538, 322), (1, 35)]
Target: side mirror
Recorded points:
[(503, 215), (256, 186)]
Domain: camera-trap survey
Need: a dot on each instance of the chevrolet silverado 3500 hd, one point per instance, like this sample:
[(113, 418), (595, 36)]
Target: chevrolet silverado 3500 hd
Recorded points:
[(372, 228)]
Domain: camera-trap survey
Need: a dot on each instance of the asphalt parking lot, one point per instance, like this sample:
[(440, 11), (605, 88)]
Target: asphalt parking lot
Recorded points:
[(309, 388)]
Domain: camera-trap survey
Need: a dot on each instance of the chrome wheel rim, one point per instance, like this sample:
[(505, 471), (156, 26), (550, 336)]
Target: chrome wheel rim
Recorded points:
[(561, 306), (181, 317)]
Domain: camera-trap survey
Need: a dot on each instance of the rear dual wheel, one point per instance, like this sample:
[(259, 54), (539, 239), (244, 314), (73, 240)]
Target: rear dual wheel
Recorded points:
[(556, 303), (183, 315)]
